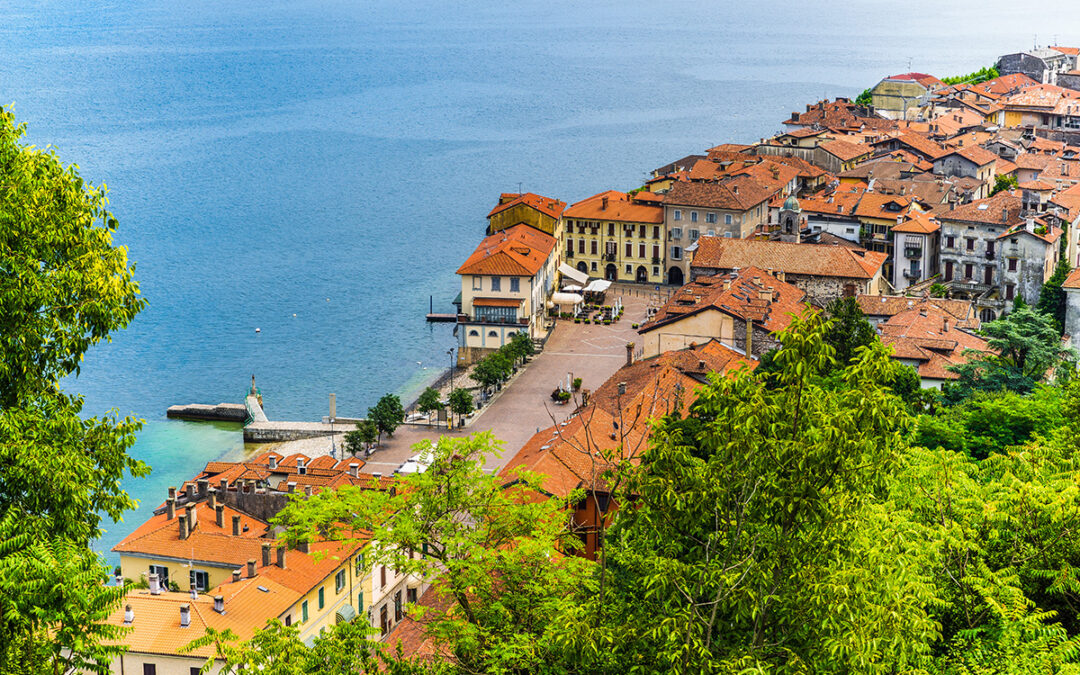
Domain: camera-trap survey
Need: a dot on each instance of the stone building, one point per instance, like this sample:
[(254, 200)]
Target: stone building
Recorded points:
[(969, 162), (823, 272), (743, 310), (1072, 307), (916, 239), (1041, 65)]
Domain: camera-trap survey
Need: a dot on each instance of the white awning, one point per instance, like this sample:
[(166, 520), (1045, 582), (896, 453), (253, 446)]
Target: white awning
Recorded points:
[(598, 286), (572, 273), (567, 299), (572, 288)]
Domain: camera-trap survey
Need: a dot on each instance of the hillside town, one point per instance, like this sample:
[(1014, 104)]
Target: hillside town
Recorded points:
[(935, 207)]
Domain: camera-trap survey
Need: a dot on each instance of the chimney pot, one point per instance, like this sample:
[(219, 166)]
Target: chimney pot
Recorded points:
[(219, 604), (629, 353), (354, 470), (273, 461), (204, 485), (266, 554), (182, 519), (622, 388), (172, 492), (236, 575), (223, 487), (192, 518), (303, 547), (292, 486), (185, 615), (307, 490), (170, 508), (155, 584), (236, 525), (129, 615), (251, 568), (281, 557), (219, 515), (191, 492), (212, 497)]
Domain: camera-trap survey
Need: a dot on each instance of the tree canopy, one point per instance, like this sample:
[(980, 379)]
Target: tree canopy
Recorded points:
[(387, 414)]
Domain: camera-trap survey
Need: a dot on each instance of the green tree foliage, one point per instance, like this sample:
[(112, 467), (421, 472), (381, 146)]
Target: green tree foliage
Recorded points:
[(847, 329), (461, 402), (429, 401), (387, 414), (1004, 183), (1025, 349), (992, 422), (362, 437), (937, 290), (1052, 296), (980, 75), (64, 287), (492, 552), (865, 98), (522, 345)]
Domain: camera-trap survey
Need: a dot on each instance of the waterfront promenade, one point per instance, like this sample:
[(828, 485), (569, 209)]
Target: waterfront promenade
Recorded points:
[(591, 352)]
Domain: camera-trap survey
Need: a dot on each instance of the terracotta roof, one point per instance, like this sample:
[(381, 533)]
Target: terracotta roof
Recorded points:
[(1036, 185), (922, 78), (304, 571), (730, 147), (806, 259), (545, 205), (207, 542), (752, 294), (929, 335), (917, 142), (618, 207), (1006, 83), (845, 150), (1032, 160), (973, 153), (918, 223), (1004, 167), (1045, 98), (890, 305), (987, 211), (1073, 280), (737, 194), (883, 206), (1071, 51), (516, 251), (841, 201)]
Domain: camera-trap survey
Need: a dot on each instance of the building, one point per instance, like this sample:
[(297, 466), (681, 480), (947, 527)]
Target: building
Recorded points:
[(969, 161), (1072, 308), (735, 207), (916, 238), (617, 236), (928, 339), (902, 96), (878, 214), (1042, 65), (840, 155), (742, 310), (1043, 106), (994, 250), (880, 308), (505, 285), (571, 455), (542, 213), (823, 272)]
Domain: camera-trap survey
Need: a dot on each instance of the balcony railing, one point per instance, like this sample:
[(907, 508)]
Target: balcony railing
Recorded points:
[(655, 260), (492, 321), (913, 274)]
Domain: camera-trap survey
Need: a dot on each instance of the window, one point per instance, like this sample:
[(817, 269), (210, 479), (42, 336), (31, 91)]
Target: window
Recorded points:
[(397, 606), (303, 612), (493, 333), (515, 285), (382, 576), (360, 601), (1010, 290), (676, 233), (710, 217), (694, 234), (629, 269), (580, 245), (359, 565), (610, 233), (496, 283), (410, 595), (968, 268), (655, 271), (693, 216), (676, 253), (1012, 264), (163, 574), (641, 232), (656, 252), (199, 580), (656, 232), (149, 669), (383, 620), (629, 249), (711, 232), (970, 244), (592, 247), (339, 581), (950, 241), (592, 267), (195, 670), (602, 502), (990, 250), (676, 215), (727, 218), (948, 270), (322, 597), (641, 250), (478, 283)]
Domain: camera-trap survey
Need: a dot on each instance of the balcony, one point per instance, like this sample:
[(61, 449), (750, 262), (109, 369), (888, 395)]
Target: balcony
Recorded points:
[(655, 260), (609, 257), (913, 252), (914, 275), (492, 321), (569, 253), (989, 255)]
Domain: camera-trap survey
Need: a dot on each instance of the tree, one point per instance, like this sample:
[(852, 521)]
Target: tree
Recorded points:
[(1006, 182), (522, 344), (387, 414), (937, 290), (493, 553), (429, 401), (362, 437), (461, 402), (489, 370), (64, 287), (1052, 296), (1025, 349), (865, 98), (847, 329)]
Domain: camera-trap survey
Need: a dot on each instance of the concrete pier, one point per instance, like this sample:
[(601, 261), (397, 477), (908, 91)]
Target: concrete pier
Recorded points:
[(222, 412), (279, 432)]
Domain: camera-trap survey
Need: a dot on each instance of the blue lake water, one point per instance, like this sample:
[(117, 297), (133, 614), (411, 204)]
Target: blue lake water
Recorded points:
[(319, 169)]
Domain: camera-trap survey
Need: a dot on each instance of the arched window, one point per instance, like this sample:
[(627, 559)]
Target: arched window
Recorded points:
[(493, 333), (474, 333), (987, 315)]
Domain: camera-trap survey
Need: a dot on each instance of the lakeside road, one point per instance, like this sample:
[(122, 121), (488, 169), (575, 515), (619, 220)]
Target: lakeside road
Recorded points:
[(592, 352)]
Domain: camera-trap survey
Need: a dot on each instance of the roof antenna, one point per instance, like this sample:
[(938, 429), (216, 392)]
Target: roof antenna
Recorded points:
[(519, 188), (909, 64)]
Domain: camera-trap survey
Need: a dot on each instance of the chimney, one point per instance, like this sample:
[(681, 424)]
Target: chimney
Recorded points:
[(170, 508), (219, 604), (701, 365), (185, 615), (281, 557), (307, 490), (749, 337), (236, 575), (300, 468), (603, 202), (251, 568), (292, 486), (223, 487), (303, 547), (212, 497), (236, 526), (1004, 215), (1029, 224), (204, 484), (172, 493), (622, 388), (900, 220), (183, 526), (155, 584), (266, 554), (945, 324), (629, 353), (191, 492), (735, 189), (273, 461), (192, 517), (219, 515), (129, 615), (354, 470)]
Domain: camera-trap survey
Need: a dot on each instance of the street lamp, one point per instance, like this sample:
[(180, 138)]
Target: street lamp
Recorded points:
[(450, 352)]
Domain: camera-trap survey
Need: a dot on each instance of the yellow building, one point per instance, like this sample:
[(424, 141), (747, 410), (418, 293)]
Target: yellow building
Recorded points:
[(505, 285), (542, 213), (616, 236), (901, 96)]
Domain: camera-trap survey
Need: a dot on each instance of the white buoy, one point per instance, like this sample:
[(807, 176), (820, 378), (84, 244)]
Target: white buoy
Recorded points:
[(258, 330), (294, 316)]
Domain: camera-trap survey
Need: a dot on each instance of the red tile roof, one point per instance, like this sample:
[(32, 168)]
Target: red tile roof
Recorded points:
[(844, 150), (929, 335), (918, 223), (806, 259), (987, 211), (545, 205), (616, 206), (736, 194), (516, 251)]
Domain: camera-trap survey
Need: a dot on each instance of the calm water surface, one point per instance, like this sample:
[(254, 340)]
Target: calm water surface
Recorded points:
[(319, 169)]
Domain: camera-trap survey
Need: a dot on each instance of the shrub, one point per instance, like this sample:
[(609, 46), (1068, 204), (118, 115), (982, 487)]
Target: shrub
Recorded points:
[(577, 383)]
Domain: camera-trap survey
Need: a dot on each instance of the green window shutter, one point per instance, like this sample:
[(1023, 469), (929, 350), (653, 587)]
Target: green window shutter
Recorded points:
[(322, 597), (360, 602), (303, 611)]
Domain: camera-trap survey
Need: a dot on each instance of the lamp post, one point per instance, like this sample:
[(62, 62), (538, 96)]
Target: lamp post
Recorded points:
[(450, 352)]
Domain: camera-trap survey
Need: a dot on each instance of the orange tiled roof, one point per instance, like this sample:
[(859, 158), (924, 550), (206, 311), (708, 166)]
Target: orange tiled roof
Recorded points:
[(736, 194), (929, 335), (918, 223), (207, 542), (805, 259), (883, 206), (975, 154), (987, 211), (616, 206), (1073, 280), (752, 294), (516, 251), (890, 305), (844, 150), (545, 205)]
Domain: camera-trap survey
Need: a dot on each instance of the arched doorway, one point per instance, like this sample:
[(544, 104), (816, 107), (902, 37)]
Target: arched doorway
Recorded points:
[(642, 275), (582, 267), (987, 315), (610, 272), (675, 276)]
